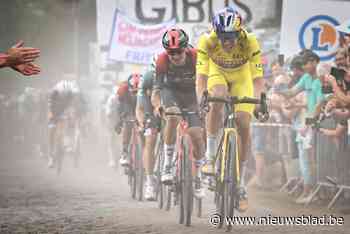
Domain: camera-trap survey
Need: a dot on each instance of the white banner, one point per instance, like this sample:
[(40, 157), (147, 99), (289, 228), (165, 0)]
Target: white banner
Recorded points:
[(133, 42), (311, 24)]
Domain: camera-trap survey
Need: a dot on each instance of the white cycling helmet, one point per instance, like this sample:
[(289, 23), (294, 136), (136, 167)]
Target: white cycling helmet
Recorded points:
[(67, 86)]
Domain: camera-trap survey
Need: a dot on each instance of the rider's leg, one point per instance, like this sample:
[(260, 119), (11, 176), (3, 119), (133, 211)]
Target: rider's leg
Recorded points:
[(168, 99), (126, 137), (52, 132), (196, 134), (244, 140), (169, 142), (214, 120), (148, 154), (244, 112), (112, 141), (148, 159)]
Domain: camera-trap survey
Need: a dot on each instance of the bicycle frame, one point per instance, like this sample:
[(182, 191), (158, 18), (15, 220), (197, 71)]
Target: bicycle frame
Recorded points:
[(181, 133), (184, 168), (135, 173)]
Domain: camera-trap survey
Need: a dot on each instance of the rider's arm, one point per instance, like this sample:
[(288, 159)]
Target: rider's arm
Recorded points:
[(155, 98), (140, 111), (157, 85), (202, 66), (256, 67)]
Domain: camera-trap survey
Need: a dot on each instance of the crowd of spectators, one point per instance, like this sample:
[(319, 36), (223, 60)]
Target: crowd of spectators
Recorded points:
[(306, 97)]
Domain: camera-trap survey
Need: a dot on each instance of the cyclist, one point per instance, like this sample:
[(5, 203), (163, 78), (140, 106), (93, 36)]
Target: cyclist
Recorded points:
[(126, 110), (229, 63), (144, 113), (64, 95), (110, 119), (174, 88)]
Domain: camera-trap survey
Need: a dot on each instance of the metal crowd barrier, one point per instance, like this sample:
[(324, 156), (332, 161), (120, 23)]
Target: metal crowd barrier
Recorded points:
[(332, 159), (275, 142), (278, 139), (333, 165)]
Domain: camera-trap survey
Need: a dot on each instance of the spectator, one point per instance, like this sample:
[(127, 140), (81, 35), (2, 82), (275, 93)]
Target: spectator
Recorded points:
[(344, 28), (21, 59), (261, 134), (309, 83), (297, 71), (332, 126), (341, 89), (341, 59), (295, 109)]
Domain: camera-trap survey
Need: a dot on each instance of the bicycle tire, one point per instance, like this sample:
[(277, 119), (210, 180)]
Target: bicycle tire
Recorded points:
[(219, 186), (187, 180), (131, 171), (198, 206), (167, 197), (77, 153), (231, 186), (139, 173), (163, 191), (59, 154), (179, 187)]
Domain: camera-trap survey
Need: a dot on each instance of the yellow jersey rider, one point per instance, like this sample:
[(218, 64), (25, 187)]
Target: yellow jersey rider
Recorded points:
[(229, 64)]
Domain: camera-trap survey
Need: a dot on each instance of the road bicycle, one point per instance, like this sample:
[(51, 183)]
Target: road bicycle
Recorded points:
[(183, 184), (67, 139), (135, 170), (227, 166)]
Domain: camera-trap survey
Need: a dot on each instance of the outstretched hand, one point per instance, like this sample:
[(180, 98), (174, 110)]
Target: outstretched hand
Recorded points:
[(20, 55), (27, 69)]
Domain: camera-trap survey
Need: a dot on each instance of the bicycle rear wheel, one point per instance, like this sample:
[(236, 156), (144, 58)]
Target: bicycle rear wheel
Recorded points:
[(160, 162), (77, 152), (131, 170), (139, 173)]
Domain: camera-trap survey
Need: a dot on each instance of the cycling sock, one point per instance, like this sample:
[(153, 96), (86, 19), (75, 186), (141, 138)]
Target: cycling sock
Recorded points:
[(169, 152), (211, 148), (243, 171)]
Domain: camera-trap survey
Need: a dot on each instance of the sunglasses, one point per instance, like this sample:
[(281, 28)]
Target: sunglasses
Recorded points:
[(175, 52)]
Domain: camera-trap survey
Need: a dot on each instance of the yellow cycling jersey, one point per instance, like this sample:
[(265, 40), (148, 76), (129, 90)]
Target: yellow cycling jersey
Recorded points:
[(246, 54)]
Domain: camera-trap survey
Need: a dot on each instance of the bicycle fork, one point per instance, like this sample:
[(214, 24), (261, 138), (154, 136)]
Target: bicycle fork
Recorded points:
[(225, 151)]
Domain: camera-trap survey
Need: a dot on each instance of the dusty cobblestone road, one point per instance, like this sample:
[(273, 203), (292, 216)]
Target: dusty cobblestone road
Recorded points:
[(95, 199)]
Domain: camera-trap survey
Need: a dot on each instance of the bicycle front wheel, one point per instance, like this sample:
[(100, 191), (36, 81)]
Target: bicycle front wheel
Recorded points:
[(232, 173), (186, 178)]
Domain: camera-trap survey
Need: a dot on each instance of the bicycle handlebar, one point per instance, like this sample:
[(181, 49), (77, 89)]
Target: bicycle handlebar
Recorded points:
[(182, 113), (235, 100), (263, 114)]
